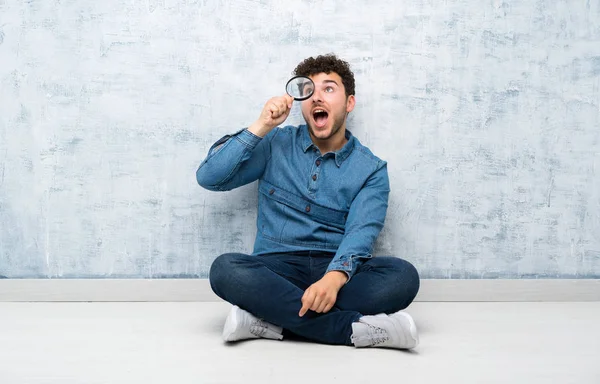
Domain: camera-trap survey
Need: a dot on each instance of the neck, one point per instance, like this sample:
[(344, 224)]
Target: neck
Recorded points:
[(333, 143)]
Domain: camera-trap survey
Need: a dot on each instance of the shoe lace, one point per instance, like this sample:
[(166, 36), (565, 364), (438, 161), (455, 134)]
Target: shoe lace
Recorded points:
[(378, 335), (258, 328)]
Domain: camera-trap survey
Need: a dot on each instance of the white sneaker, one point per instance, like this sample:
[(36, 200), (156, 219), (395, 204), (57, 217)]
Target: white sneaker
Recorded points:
[(397, 330), (241, 325)]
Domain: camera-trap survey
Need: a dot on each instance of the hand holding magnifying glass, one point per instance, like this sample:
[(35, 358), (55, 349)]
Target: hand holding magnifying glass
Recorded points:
[(277, 109)]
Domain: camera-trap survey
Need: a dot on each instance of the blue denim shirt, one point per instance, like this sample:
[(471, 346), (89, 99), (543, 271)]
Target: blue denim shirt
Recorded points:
[(334, 202)]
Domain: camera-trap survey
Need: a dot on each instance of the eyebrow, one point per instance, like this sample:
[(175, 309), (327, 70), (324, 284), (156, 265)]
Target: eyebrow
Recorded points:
[(330, 81)]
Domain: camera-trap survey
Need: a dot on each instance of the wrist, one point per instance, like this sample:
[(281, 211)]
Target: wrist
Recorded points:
[(259, 129), (339, 277)]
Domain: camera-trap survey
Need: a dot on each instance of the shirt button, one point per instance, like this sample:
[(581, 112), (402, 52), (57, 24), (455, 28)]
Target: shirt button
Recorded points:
[(272, 191), (318, 162), (314, 177), (307, 209)]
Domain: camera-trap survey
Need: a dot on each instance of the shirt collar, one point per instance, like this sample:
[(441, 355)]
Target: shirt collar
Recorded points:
[(340, 155)]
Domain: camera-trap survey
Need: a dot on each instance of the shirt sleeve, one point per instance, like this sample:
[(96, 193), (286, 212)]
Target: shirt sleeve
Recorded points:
[(364, 223), (235, 160)]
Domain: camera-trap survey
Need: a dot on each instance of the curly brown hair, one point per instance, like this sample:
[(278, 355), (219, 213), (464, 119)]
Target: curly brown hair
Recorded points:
[(327, 64)]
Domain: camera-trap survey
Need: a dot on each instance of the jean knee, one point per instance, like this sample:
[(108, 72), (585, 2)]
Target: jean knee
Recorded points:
[(221, 271), (407, 283), (412, 281)]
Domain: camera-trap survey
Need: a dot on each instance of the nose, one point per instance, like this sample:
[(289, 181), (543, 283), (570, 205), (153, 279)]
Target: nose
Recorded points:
[(317, 97)]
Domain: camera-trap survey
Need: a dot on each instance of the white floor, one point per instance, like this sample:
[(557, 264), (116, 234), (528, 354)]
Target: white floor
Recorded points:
[(180, 343)]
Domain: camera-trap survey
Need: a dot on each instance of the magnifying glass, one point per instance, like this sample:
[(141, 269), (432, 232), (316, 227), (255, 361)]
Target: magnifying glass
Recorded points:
[(300, 87)]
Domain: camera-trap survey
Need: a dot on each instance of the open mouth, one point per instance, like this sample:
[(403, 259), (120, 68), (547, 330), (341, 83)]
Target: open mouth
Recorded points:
[(320, 116)]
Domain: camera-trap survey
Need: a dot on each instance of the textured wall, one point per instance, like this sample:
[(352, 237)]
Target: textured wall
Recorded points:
[(488, 113)]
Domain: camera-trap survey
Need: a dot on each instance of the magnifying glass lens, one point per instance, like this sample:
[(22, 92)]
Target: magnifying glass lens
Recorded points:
[(300, 87)]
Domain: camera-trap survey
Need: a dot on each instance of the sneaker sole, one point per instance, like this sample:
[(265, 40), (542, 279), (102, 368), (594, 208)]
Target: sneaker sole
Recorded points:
[(413, 328)]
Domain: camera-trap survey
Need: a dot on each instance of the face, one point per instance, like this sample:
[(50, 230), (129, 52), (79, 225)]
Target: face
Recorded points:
[(326, 110)]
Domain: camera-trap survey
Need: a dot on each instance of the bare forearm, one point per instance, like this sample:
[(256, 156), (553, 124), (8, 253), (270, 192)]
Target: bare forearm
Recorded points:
[(259, 129)]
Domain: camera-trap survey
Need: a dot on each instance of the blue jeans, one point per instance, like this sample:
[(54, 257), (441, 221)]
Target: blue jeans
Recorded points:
[(271, 287)]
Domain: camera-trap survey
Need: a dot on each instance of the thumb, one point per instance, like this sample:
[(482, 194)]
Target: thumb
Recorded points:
[(290, 100)]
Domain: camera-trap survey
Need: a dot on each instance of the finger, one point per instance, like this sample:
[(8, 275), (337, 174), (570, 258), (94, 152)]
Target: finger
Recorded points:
[(290, 100), (280, 110), (273, 110), (277, 109), (307, 300), (324, 304), (328, 307), (303, 310), (316, 304), (282, 107)]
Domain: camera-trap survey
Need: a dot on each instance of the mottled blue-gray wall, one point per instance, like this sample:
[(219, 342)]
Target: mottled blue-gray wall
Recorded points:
[(488, 113)]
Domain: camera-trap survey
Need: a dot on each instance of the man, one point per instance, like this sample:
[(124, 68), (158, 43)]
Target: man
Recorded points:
[(322, 203)]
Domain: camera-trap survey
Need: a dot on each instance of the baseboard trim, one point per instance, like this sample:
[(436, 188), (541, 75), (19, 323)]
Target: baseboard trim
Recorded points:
[(135, 290)]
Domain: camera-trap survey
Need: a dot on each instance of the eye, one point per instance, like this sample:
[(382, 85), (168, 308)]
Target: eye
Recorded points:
[(329, 89)]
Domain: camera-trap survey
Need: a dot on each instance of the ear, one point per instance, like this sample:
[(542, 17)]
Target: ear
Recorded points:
[(350, 103)]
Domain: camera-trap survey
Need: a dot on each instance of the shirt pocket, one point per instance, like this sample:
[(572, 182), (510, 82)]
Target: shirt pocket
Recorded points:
[(290, 218)]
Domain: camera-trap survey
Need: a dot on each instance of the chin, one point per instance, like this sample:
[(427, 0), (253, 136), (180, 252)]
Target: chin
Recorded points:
[(321, 133)]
